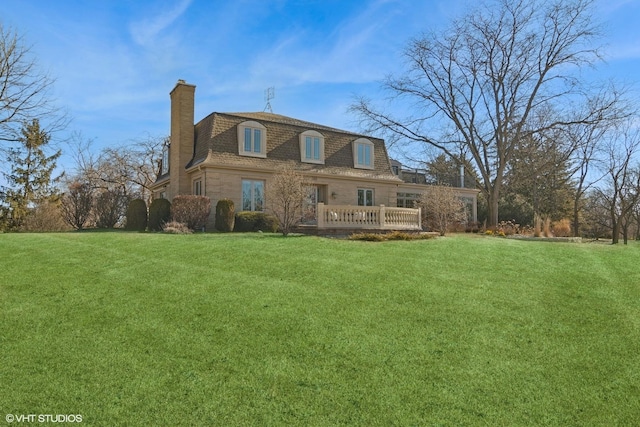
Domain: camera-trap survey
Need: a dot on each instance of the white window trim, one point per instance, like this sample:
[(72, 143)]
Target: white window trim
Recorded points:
[(263, 143), (303, 147), (354, 148), (373, 196), (193, 186), (252, 195), (165, 160)]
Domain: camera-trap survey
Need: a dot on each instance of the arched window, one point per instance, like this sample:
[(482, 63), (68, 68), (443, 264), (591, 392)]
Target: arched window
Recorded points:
[(363, 153), (252, 139), (312, 147)]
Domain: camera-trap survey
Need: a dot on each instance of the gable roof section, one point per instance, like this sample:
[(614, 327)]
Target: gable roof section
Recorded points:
[(216, 142)]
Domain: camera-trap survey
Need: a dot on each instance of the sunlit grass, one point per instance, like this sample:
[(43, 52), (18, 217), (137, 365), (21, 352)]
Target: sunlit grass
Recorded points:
[(256, 329)]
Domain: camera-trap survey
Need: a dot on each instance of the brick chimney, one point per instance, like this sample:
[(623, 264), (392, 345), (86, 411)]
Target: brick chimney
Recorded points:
[(182, 137)]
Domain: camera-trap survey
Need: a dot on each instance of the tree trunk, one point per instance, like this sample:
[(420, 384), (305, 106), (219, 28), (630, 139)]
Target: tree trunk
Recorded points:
[(615, 236), (576, 218), (493, 197), (492, 207)]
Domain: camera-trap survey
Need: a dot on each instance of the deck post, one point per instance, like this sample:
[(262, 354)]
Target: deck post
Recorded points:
[(320, 215)]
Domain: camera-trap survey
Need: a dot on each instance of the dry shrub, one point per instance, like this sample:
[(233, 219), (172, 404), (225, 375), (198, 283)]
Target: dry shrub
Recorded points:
[(441, 208), (546, 228), (527, 230), (562, 228), (369, 237), (174, 227), (286, 193), (191, 210), (507, 228), (46, 216), (394, 235)]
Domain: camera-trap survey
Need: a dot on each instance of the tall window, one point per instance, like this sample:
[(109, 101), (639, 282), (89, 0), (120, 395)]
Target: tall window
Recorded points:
[(407, 200), (252, 195), (365, 197), (197, 187), (363, 153), (312, 147), (252, 139), (164, 168)]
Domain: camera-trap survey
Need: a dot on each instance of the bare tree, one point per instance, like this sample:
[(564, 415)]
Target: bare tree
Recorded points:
[(24, 89), (128, 170), (146, 156), (596, 215), (479, 85), (587, 139), (109, 208), (441, 208), (621, 189), (285, 197), (77, 204)]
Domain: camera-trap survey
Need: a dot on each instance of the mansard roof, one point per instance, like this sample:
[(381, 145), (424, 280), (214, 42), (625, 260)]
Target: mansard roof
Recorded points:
[(216, 142)]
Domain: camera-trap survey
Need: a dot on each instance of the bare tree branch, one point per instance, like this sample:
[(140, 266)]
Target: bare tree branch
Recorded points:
[(481, 83), (24, 89)]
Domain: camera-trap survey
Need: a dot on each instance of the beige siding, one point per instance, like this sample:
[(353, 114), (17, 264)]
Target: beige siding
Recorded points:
[(227, 184)]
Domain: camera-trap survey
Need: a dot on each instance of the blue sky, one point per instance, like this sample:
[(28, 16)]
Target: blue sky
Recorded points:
[(116, 61)]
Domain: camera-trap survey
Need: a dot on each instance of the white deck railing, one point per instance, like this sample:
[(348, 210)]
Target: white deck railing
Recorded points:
[(372, 217)]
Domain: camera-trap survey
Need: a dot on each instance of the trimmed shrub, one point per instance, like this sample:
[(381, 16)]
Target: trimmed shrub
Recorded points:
[(159, 214), (225, 215), (137, 215), (176, 228), (191, 210), (255, 221)]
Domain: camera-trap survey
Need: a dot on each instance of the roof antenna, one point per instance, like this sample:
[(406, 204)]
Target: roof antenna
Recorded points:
[(269, 94)]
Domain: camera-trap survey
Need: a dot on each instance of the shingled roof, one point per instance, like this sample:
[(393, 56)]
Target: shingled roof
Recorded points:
[(278, 118), (216, 141)]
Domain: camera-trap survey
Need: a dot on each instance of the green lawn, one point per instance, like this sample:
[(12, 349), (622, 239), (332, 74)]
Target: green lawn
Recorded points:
[(212, 329)]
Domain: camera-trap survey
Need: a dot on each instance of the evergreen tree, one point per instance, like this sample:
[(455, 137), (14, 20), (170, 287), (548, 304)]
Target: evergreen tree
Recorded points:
[(444, 170), (30, 181), (538, 182)]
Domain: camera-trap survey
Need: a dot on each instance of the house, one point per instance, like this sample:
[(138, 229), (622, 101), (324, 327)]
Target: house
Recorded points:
[(408, 195), (234, 155)]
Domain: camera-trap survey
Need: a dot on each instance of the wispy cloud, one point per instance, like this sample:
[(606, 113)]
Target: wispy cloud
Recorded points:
[(610, 6), (347, 54), (146, 31), (625, 51)]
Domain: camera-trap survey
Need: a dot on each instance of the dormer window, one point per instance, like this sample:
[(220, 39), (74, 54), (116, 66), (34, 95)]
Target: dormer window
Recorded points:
[(312, 147), (363, 153), (252, 139)]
